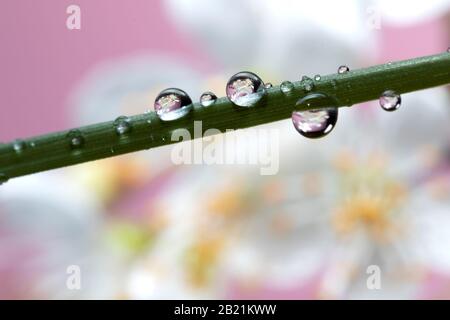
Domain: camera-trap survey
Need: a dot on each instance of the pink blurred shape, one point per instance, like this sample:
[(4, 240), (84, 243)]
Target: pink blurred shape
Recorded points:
[(42, 61)]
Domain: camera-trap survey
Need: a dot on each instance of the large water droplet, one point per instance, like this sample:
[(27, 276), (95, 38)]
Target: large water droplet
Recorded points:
[(317, 77), (308, 83), (390, 100), (343, 69), (3, 178), (315, 123), (172, 104), (207, 99), (122, 125), (245, 89), (19, 145), (286, 87), (76, 139), (268, 85)]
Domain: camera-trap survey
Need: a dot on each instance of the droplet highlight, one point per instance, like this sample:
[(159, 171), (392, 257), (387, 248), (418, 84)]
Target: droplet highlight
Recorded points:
[(207, 99), (308, 83), (122, 125), (390, 100), (343, 69), (76, 139), (268, 85), (245, 89), (19, 145), (286, 87), (148, 114), (315, 123), (172, 104), (317, 77)]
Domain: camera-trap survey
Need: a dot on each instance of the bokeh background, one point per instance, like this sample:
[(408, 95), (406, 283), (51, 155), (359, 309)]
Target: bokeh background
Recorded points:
[(376, 191)]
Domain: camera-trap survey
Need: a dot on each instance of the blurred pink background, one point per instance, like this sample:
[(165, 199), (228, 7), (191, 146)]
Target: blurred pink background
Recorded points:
[(142, 227), (42, 61)]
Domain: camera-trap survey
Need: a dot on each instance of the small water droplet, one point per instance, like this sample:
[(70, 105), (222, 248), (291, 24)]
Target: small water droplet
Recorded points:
[(76, 139), (19, 145), (343, 69), (148, 113), (268, 85), (172, 104), (245, 89), (317, 77), (122, 125), (3, 178), (315, 123), (32, 144), (390, 100), (207, 99), (286, 87), (308, 83), (334, 84)]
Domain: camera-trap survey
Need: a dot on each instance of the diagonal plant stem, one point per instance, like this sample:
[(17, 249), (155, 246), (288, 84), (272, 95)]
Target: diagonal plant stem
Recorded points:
[(100, 140)]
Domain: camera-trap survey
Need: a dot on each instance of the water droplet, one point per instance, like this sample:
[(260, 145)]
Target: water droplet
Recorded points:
[(148, 114), (343, 69), (448, 49), (76, 139), (3, 178), (245, 89), (32, 144), (19, 145), (308, 83), (315, 123), (207, 99), (268, 85), (390, 100), (122, 125), (172, 104), (317, 77), (334, 84), (286, 87)]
